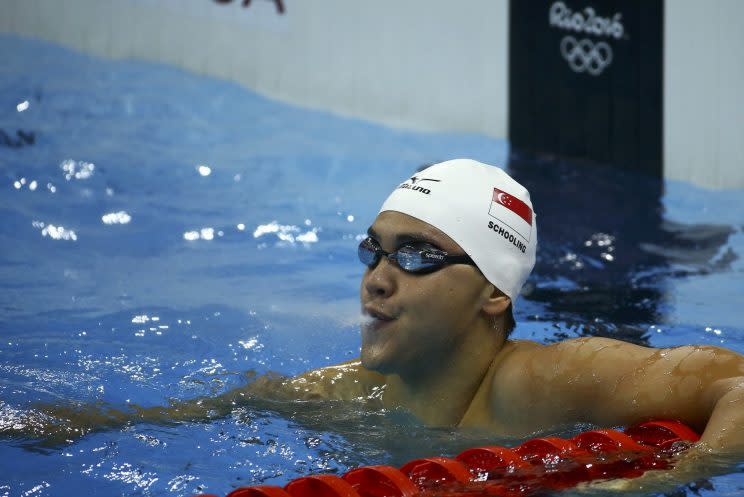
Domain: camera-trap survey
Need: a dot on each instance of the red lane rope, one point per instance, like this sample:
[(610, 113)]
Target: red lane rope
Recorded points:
[(537, 465)]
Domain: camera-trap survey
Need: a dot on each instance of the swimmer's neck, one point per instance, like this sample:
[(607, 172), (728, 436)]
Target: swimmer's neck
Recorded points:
[(441, 395)]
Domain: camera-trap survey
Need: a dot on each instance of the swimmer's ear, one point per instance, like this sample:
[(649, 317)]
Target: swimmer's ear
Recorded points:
[(495, 302)]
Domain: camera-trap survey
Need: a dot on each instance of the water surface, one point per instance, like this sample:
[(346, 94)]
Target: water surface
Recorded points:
[(162, 233)]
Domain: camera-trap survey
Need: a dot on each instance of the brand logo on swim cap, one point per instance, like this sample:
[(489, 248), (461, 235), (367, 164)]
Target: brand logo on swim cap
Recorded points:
[(512, 213), (417, 188)]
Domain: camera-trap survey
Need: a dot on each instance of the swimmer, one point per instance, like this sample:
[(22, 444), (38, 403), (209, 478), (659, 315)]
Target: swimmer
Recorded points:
[(445, 264), (445, 260)]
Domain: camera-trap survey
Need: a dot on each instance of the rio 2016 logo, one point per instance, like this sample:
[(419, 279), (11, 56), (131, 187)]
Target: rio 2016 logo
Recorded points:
[(585, 55), (588, 22), (247, 3)]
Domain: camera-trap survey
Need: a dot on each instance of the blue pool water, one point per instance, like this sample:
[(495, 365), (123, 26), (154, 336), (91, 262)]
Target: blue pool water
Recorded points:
[(163, 233)]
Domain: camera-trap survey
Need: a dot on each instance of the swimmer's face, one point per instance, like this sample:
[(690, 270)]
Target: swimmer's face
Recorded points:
[(418, 320)]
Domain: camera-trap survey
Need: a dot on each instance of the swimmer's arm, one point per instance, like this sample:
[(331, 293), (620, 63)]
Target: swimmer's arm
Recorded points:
[(268, 390), (720, 448), (618, 383), (65, 422), (724, 432), (61, 423), (611, 383), (345, 381)]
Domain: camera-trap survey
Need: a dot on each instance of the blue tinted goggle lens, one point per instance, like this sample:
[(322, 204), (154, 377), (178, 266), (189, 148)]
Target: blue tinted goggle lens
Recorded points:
[(369, 252), (408, 258)]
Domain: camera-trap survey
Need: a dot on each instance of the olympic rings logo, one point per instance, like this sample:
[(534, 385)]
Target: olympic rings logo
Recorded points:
[(585, 56)]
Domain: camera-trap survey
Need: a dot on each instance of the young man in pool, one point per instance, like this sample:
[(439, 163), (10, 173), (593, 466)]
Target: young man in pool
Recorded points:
[(446, 258)]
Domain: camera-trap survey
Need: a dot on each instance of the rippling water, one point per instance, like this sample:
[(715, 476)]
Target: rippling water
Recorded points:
[(163, 233)]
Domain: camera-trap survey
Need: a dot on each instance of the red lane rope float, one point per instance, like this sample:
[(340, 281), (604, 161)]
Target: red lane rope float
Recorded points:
[(492, 460), (662, 434), (607, 441), (381, 481), (259, 491), (321, 486), (537, 465), (436, 471)]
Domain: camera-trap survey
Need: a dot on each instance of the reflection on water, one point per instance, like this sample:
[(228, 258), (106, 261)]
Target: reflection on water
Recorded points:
[(607, 252)]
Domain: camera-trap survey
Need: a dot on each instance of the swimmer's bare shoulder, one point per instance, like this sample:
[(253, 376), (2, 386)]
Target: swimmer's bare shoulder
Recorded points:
[(548, 385), (345, 381), (609, 382)]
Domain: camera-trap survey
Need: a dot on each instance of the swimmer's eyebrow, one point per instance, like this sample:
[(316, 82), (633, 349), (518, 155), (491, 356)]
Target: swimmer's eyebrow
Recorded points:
[(401, 238)]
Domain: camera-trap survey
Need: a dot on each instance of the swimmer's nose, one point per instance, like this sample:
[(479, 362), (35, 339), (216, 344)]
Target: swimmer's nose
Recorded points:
[(379, 281)]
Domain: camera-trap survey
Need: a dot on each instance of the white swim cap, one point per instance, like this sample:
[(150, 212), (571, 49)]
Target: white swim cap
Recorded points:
[(481, 208)]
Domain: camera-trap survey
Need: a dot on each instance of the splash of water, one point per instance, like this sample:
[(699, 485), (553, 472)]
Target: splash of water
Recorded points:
[(365, 320)]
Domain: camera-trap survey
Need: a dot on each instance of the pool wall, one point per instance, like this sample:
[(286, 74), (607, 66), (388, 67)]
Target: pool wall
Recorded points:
[(703, 97), (430, 65)]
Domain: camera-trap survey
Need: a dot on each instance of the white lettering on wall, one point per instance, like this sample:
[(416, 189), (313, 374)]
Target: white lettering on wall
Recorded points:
[(586, 21)]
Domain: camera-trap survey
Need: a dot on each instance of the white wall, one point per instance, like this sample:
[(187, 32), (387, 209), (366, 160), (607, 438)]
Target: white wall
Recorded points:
[(426, 64), (704, 92)]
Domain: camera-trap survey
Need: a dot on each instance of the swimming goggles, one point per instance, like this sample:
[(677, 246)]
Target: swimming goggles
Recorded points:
[(409, 258)]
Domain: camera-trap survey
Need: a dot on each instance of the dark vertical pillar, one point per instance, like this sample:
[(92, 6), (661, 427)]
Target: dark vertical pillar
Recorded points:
[(651, 31), (585, 81)]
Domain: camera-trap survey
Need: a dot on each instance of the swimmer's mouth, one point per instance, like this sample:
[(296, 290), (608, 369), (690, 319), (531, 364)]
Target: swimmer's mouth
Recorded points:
[(375, 314)]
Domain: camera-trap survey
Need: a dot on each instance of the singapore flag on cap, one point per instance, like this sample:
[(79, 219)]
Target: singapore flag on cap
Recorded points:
[(512, 212)]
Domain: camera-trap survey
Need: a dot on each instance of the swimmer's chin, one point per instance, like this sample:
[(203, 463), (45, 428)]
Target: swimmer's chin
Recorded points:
[(375, 361)]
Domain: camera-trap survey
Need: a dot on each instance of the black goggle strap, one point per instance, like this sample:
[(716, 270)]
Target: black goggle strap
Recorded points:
[(459, 259)]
